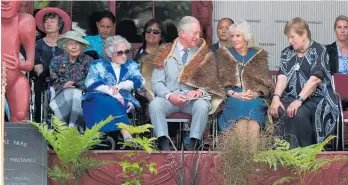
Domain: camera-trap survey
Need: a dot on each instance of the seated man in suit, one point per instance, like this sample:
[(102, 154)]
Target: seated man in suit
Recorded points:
[(222, 33), (170, 69)]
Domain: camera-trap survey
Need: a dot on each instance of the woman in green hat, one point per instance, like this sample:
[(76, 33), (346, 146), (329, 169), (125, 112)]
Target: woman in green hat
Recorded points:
[(67, 75)]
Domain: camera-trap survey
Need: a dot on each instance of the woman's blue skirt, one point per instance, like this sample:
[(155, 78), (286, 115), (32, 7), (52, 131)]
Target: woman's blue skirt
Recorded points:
[(98, 107), (235, 109)]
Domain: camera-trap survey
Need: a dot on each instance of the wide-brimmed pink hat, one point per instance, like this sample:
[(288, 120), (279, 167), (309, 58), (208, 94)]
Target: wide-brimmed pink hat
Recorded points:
[(66, 18)]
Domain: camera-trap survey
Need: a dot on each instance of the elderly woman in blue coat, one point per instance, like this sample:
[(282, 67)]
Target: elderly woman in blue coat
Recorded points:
[(109, 83)]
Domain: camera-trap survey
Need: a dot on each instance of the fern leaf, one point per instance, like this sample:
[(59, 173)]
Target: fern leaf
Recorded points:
[(58, 174), (135, 129)]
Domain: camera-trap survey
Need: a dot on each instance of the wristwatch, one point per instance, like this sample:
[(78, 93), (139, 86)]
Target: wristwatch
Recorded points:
[(299, 98)]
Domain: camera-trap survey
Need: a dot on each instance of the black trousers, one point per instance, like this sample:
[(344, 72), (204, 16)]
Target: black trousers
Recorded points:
[(299, 131)]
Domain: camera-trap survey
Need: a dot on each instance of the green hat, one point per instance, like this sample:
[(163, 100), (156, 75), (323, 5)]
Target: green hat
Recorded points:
[(73, 35)]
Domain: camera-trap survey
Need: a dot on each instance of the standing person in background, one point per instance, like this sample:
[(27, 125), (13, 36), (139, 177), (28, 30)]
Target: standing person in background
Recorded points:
[(338, 50), (53, 22), (105, 25), (222, 33)]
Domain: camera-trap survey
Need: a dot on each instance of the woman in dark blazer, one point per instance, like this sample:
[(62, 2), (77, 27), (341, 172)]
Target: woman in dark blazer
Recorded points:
[(338, 50)]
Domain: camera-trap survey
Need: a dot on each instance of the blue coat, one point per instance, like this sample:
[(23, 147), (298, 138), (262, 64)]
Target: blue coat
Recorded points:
[(97, 106)]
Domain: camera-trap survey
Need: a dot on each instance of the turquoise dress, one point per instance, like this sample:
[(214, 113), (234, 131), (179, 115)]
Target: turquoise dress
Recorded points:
[(234, 108)]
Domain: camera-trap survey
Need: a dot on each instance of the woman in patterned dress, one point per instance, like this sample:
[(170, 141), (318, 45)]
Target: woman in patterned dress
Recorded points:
[(67, 75), (303, 98), (109, 83)]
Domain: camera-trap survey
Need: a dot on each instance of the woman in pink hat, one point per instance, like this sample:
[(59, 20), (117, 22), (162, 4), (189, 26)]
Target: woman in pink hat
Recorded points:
[(53, 22)]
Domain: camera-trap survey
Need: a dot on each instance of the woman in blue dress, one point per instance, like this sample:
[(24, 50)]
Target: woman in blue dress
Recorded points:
[(243, 71), (109, 83)]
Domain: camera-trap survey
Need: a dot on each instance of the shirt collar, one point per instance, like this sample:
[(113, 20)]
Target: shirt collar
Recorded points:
[(181, 47)]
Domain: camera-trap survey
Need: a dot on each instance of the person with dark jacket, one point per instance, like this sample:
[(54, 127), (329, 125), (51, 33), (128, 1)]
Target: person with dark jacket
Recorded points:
[(338, 50)]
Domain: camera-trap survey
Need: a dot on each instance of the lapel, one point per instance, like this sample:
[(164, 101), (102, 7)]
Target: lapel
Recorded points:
[(109, 68), (191, 53), (123, 71), (177, 55)]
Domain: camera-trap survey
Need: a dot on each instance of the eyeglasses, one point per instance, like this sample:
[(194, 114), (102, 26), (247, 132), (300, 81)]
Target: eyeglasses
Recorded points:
[(120, 53), (154, 31)]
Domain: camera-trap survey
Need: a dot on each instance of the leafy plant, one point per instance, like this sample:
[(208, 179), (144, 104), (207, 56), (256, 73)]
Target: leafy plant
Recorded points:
[(300, 161), (134, 171), (71, 147), (194, 166), (236, 153)]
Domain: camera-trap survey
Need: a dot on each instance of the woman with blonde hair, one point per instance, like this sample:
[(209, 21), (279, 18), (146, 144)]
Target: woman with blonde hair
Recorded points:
[(338, 50), (243, 71), (303, 98)]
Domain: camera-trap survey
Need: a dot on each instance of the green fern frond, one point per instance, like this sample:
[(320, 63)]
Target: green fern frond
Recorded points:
[(58, 174), (70, 147), (304, 159), (135, 129)]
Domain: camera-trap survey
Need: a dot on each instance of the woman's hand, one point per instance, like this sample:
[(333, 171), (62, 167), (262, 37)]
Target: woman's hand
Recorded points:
[(69, 84), (293, 108), (38, 69), (276, 103), (239, 95), (251, 94), (114, 90)]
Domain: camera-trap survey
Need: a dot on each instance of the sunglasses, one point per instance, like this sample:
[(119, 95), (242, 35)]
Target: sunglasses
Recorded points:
[(154, 31), (120, 53)]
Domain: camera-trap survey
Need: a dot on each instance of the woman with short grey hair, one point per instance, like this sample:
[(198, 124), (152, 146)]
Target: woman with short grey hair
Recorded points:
[(111, 42), (109, 83)]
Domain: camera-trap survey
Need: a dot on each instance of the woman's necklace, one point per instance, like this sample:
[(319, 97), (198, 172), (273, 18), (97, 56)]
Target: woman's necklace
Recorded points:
[(50, 42), (299, 63), (299, 60), (241, 63)]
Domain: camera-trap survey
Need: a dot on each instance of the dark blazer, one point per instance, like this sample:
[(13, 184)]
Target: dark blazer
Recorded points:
[(214, 47), (333, 57)]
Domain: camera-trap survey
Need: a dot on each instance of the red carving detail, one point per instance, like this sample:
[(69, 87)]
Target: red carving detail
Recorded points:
[(334, 174)]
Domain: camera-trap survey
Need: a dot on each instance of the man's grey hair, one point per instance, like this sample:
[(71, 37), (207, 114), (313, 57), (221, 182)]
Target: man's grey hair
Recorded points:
[(185, 23), (111, 42), (243, 27)]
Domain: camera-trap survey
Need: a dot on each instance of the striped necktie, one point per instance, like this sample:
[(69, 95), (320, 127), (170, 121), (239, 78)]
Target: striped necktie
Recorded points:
[(184, 56)]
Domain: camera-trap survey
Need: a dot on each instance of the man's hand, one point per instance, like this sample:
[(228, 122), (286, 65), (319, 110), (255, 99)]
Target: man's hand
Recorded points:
[(178, 99), (69, 84), (195, 94)]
